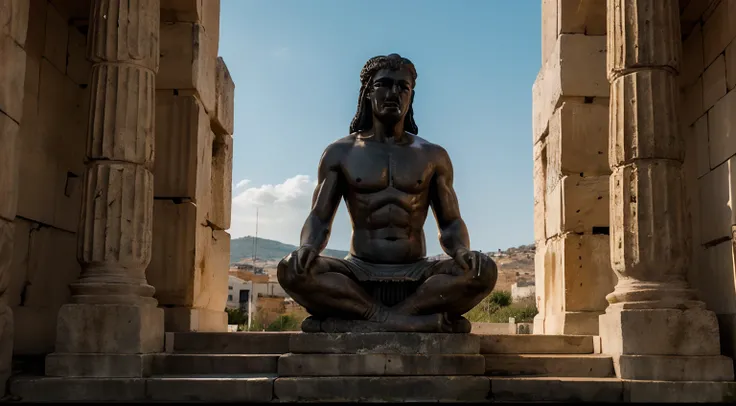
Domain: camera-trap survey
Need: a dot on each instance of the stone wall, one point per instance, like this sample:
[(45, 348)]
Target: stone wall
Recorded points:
[(193, 169), (708, 114), (44, 110), (571, 171), (50, 164)]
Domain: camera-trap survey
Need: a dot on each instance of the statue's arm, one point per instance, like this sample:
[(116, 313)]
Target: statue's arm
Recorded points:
[(453, 231), (325, 201)]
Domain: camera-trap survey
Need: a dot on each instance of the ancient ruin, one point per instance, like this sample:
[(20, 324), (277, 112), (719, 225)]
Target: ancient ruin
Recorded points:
[(389, 178), (116, 123)]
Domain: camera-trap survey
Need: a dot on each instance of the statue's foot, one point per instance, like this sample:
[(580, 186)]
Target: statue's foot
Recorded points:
[(459, 325), (312, 325)]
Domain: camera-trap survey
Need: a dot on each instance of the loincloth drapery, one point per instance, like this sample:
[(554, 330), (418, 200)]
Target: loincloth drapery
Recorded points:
[(390, 283)]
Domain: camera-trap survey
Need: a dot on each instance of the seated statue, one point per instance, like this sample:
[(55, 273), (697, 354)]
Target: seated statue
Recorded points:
[(388, 177)]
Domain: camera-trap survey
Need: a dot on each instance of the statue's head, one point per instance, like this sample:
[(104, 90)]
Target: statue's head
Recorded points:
[(386, 92)]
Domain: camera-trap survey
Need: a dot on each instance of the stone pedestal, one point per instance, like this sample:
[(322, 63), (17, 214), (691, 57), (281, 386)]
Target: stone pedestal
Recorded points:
[(113, 323), (654, 326), (382, 367)]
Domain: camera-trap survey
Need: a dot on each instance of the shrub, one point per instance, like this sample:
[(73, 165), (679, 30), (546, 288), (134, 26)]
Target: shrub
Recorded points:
[(285, 322), (500, 297)]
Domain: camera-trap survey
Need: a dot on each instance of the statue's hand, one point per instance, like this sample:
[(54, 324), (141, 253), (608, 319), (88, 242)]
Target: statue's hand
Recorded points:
[(304, 256), (466, 259)]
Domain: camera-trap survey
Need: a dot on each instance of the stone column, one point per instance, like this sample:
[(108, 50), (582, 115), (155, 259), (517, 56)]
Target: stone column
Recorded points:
[(113, 323), (654, 325)]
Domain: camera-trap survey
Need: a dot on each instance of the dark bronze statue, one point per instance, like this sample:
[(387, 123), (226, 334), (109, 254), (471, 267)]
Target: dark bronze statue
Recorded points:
[(388, 177)]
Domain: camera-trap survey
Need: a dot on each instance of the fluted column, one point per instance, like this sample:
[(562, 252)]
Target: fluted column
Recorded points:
[(653, 313), (113, 321)]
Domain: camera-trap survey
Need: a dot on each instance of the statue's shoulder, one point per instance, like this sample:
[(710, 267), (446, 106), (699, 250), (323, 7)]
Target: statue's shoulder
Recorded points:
[(436, 150), (336, 150)]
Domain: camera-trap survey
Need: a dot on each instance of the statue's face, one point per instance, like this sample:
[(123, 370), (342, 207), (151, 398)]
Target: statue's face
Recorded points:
[(390, 94)]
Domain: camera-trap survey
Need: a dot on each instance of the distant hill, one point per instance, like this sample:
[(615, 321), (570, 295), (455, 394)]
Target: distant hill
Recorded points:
[(242, 248)]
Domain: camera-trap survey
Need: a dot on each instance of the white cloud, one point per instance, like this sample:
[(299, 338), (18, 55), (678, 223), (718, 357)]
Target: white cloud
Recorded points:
[(242, 183), (282, 209)]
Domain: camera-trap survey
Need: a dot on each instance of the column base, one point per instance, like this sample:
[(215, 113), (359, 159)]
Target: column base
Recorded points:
[(692, 331), (179, 319), (109, 329), (99, 365), (714, 368)]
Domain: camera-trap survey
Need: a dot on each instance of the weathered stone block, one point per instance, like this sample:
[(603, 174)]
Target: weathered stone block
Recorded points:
[(549, 389), (78, 67), (173, 11), (692, 61), (111, 329), (229, 343), (12, 74), (536, 344), (215, 364), (47, 389), (674, 367), (578, 204), (581, 17), (99, 365), (722, 129), (383, 343), (57, 35), (6, 314), (189, 265), (179, 246), (578, 140), (718, 30), (184, 145), (562, 365), (540, 190), (693, 12), (699, 131), (678, 391), (383, 389), (692, 102), (211, 286), (186, 319), (219, 213), (380, 364), (44, 264), (223, 118), (9, 139), (576, 68), (14, 19), (731, 65), (549, 28), (714, 82), (214, 389), (188, 60), (577, 277), (36, 335), (691, 331), (715, 207), (717, 289), (540, 280)]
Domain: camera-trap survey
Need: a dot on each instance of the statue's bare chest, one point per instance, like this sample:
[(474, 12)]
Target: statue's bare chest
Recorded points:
[(373, 167)]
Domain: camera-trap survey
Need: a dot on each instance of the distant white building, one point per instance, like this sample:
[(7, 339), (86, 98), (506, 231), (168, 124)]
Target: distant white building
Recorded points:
[(522, 289)]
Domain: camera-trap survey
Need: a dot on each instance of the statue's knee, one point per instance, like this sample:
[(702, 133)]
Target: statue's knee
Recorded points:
[(486, 279), (285, 273)]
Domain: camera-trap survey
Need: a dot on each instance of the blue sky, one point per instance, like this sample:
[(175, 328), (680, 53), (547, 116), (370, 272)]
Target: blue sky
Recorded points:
[(295, 64)]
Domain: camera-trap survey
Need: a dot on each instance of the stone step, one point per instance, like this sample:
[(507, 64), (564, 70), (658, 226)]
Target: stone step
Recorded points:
[(536, 344), (384, 343), (554, 365), (220, 364), (251, 388), (379, 365), (383, 389), (229, 343), (171, 389)]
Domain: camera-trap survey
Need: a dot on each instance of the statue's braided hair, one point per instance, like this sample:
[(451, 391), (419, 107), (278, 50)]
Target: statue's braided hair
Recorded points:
[(364, 116)]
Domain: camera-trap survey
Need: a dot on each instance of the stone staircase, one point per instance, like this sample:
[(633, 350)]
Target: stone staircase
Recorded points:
[(284, 367)]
